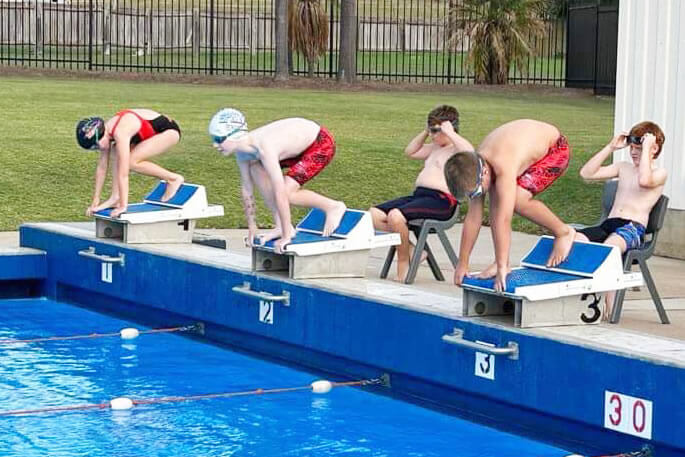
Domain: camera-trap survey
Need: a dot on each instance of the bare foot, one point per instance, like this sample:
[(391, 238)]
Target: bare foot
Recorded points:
[(402, 270), (424, 254), (172, 187), (269, 235), (489, 272), (562, 246), (333, 218)]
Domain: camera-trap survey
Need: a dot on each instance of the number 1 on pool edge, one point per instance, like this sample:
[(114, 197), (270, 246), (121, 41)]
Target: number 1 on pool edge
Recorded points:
[(106, 272)]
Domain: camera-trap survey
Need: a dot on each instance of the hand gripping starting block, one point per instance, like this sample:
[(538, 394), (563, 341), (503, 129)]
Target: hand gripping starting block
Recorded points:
[(154, 221), (538, 296), (311, 255)]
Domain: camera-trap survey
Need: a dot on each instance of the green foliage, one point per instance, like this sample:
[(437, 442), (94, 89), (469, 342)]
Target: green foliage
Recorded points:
[(500, 32), (46, 177)]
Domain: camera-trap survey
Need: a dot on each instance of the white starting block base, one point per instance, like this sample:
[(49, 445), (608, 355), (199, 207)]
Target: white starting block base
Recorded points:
[(151, 232), (334, 265), (538, 296), (569, 310), (310, 255), (154, 221)]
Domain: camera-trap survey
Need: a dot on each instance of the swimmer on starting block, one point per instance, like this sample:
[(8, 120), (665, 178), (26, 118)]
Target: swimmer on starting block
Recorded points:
[(431, 198), (301, 145), (136, 136), (516, 161), (640, 184)]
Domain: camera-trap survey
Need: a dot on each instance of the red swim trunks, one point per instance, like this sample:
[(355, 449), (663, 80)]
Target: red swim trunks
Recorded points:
[(313, 159), (545, 171)]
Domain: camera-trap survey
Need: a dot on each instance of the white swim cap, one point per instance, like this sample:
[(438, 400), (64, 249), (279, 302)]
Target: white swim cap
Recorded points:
[(228, 123)]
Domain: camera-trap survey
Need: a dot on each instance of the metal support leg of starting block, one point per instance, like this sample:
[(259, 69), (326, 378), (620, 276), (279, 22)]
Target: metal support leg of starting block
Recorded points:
[(570, 310), (348, 264), (153, 232)]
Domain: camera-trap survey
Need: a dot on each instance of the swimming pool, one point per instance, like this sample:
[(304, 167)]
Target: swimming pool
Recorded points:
[(347, 421), (594, 390)]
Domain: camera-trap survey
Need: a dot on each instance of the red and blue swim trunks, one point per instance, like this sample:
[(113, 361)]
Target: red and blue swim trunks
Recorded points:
[(313, 159), (545, 171)]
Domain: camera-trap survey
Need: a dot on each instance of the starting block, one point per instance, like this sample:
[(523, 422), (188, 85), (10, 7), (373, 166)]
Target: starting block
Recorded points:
[(154, 221), (538, 296), (311, 255)]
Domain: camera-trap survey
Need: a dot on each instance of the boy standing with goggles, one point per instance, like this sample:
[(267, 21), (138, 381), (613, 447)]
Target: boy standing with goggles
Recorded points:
[(640, 184), (431, 198), (515, 162), (301, 145)]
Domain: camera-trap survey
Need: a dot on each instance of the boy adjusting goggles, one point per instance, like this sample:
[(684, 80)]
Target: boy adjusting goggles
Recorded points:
[(633, 139)]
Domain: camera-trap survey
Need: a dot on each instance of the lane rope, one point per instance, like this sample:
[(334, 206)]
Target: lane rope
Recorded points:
[(127, 333), (122, 403)]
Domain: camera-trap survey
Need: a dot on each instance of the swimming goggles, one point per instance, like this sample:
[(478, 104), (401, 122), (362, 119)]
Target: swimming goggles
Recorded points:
[(478, 191), (221, 139), (633, 139)]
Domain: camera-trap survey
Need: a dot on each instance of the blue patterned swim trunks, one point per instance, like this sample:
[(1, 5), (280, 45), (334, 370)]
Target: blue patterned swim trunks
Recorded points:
[(633, 233)]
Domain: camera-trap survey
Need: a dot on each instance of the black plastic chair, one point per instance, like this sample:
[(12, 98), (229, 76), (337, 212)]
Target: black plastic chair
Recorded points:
[(637, 256), (421, 228)]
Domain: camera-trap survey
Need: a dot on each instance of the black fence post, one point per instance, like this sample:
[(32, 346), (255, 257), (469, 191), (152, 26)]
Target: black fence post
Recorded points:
[(90, 34), (211, 37)]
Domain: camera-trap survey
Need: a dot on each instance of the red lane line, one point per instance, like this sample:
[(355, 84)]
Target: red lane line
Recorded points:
[(179, 399), (92, 335)]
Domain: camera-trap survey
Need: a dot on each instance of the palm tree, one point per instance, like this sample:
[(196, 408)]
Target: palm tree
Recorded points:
[(499, 33), (308, 30)]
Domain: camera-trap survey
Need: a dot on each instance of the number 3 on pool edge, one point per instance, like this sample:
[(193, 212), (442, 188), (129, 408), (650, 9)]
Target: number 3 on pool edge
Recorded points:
[(266, 311), (593, 306)]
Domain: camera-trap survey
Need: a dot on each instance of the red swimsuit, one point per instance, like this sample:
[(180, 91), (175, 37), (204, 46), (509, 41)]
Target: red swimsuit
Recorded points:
[(148, 128)]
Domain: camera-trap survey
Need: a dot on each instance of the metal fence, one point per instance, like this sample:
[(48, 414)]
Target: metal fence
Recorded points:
[(397, 40)]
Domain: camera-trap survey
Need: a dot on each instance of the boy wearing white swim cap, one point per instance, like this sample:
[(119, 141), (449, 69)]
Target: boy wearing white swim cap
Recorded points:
[(301, 145)]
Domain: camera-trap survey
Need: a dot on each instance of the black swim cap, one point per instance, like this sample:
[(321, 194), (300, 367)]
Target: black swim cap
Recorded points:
[(89, 131)]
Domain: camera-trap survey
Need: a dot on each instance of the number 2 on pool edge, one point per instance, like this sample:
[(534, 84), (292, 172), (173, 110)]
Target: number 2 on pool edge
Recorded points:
[(266, 311)]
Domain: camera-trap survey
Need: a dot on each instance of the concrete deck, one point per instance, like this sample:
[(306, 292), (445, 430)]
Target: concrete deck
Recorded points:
[(639, 313)]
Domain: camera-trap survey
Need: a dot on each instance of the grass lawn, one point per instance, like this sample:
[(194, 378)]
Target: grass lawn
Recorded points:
[(45, 177)]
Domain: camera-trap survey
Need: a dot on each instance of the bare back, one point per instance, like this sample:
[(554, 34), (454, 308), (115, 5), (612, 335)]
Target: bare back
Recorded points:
[(518, 144), (633, 201), (285, 138)]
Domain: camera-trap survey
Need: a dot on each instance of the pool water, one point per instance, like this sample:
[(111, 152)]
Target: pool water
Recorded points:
[(348, 421)]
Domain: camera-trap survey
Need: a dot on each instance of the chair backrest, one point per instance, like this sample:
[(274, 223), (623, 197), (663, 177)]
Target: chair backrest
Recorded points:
[(657, 215), (608, 197)]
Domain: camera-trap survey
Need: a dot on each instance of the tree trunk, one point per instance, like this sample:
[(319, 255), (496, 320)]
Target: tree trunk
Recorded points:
[(282, 39), (347, 63), (310, 67)]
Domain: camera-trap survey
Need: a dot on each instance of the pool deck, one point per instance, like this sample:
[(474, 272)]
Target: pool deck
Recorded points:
[(639, 333)]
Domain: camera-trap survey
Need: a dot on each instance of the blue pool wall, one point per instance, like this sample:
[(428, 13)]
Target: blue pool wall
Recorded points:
[(555, 390)]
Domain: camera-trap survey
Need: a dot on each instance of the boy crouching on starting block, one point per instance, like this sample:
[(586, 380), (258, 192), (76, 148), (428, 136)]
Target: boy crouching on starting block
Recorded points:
[(514, 163), (640, 184), (301, 145)]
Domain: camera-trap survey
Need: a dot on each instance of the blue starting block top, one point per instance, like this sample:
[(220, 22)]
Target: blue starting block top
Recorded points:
[(184, 193), (299, 238), (135, 208), (315, 219), (584, 258), (521, 277)]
